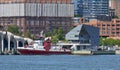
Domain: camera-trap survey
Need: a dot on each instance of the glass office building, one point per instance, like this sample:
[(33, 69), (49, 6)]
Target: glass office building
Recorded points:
[(94, 9), (76, 8)]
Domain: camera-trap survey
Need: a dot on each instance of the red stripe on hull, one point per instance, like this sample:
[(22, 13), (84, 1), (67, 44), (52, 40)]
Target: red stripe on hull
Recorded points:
[(41, 52)]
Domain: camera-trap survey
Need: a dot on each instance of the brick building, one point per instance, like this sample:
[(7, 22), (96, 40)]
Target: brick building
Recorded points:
[(107, 28), (37, 15)]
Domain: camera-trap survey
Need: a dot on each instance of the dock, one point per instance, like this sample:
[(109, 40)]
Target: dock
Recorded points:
[(117, 52), (88, 52), (103, 52), (81, 52)]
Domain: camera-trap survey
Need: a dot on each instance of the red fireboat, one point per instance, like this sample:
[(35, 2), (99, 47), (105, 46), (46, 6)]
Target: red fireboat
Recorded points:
[(41, 47)]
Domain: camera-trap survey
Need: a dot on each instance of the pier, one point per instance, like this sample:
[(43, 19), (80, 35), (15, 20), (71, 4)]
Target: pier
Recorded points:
[(10, 42)]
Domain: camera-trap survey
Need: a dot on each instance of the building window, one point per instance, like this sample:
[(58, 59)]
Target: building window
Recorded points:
[(103, 32), (113, 25), (76, 35), (108, 32), (113, 28), (118, 25), (113, 32), (98, 24), (108, 28), (117, 28), (103, 28), (108, 24), (118, 33), (103, 25)]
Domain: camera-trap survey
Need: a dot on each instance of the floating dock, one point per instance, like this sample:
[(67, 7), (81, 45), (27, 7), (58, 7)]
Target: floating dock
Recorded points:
[(81, 52), (117, 52), (88, 52), (103, 52)]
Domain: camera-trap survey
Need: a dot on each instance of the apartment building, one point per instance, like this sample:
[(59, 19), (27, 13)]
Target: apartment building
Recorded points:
[(107, 28)]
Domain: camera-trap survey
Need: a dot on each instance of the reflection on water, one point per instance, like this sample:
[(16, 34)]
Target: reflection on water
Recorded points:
[(60, 62)]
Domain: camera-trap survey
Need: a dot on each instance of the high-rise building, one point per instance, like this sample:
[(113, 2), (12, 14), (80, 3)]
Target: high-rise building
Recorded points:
[(37, 15), (115, 4), (76, 8), (94, 9)]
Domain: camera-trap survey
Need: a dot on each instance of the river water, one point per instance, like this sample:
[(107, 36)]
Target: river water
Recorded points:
[(60, 62)]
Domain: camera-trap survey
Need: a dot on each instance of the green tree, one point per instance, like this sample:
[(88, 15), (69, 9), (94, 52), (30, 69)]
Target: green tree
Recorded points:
[(109, 42), (102, 41), (54, 39), (48, 34), (117, 42), (14, 29), (56, 34), (27, 34), (115, 17), (60, 34)]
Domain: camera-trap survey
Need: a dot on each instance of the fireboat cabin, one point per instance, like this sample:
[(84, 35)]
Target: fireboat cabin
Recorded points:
[(86, 36)]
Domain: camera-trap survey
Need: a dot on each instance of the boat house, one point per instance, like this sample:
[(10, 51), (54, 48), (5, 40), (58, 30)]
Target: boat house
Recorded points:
[(86, 36)]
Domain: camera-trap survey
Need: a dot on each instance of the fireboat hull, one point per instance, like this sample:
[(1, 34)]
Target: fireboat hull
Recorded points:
[(41, 52)]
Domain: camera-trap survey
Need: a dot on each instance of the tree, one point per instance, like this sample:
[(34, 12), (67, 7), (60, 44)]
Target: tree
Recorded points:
[(117, 42), (13, 29), (55, 31), (56, 34), (60, 34), (48, 34), (102, 41), (54, 39), (27, 34), (115, 17), (109, 42)]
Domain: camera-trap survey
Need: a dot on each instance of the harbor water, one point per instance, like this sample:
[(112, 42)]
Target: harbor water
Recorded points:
[(60, 62)]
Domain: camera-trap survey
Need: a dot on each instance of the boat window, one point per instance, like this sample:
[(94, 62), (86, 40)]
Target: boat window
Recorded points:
[(78, 47), (35, 42), (84, 47)]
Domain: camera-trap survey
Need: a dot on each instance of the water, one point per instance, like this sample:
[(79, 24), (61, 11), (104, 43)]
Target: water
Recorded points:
[(60, 62)]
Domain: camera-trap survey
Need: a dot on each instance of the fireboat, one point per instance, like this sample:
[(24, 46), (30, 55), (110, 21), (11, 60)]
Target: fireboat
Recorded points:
[(42, 47)]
